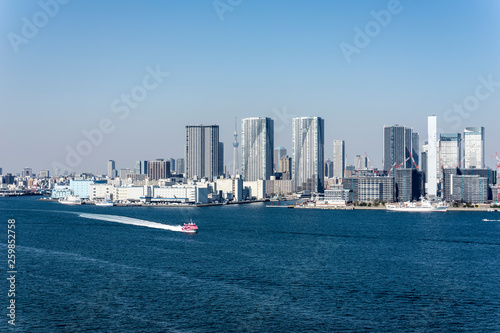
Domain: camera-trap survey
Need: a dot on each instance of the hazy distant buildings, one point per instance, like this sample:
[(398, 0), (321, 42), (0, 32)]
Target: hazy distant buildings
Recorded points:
[(124, 173), (329, 168), (221, 159), (202, 151), (172, 165), (474, 147), (431, 172), (398, 144), (141, 167), (257, 143), (279, 152), (360, 162), (111, 169), (26, 172), (450, 150), (308, 154), (338, 158), (180, 166), (43, 174)]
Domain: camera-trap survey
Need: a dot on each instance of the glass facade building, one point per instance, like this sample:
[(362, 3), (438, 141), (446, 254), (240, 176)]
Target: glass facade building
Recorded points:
[(308, 154)]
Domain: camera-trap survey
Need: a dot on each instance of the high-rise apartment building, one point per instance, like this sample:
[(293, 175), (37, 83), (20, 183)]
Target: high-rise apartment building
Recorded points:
[(158, 169), (474, 147), (202, 151), (257, 143), (111, 169), (279, 152), (338, 158), (308, 154), (450, 150), (398, 144)]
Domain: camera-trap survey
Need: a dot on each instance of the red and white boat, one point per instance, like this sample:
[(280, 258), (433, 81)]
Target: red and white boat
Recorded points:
[(190, 227)]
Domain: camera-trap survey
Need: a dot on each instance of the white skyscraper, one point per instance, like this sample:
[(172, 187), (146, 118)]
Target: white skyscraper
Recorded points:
[(338, 158), (308, 154), (202, 151), (431, 176), (474, 147), (257, 144)]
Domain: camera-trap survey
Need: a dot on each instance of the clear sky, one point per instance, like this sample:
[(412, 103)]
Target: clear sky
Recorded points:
[(70, 69)]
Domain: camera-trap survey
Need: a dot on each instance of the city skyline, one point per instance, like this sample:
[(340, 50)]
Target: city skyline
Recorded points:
[(59, 89)]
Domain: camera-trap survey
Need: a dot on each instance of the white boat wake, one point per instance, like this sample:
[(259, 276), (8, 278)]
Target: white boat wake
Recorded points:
[(131, 221)]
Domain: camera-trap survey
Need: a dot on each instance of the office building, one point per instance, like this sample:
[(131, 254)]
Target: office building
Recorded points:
[(308, 154), (202, 151), (462, 187), (141, 167), (158, 169), (124, 172), (409, 184), (338, 158), (450, 150), (398, 144), (474, 147), (286, 168), (279, 152), (221, 159), (180, 166), (415, 149), (257, 143), (111, 169), (172, 165)]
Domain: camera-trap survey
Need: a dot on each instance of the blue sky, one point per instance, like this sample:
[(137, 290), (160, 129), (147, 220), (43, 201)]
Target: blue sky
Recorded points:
[(265, 58)]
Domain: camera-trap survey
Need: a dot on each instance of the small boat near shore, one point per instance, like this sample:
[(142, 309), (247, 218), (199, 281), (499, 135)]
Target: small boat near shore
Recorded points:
[(71, 200), (105, 203)]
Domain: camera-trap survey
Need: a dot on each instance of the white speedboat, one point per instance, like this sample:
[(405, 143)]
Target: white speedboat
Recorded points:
[(418, 206), (71, 200), (105, 203)]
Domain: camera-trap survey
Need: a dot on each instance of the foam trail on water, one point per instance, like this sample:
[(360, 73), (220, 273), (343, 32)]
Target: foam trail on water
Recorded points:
[(131, 221)]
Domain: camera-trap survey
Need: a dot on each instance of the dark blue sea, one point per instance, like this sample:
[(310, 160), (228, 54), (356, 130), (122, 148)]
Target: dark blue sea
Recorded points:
[(250, 269)]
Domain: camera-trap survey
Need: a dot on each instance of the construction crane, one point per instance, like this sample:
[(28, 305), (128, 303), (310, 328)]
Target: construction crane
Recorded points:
[(498, 176), (392, 168), (371, 165), (412, 159)]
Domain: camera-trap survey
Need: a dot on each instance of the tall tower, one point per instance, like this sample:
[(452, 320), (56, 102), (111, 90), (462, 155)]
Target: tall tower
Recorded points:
[(338, 158), (235, 149), (431, 176), (308, 154), (257, 143)]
